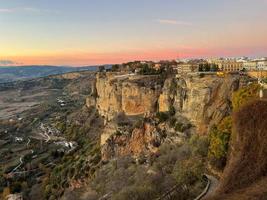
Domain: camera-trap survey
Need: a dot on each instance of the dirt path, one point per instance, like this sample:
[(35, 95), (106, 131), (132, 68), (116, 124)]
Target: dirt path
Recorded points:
[(213, 185)]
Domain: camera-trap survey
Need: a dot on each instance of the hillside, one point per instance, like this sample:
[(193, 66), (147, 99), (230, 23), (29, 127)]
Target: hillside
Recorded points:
[(245, 174), (14, 73), (114, 135), (152, 128)]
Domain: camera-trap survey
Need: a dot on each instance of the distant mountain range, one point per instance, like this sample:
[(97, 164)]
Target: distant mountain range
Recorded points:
[(15, 73)]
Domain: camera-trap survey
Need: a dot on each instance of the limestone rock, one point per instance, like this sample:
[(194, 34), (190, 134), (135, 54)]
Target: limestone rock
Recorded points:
[(205, 101), (141, 141), (167, 96), (118, 93)]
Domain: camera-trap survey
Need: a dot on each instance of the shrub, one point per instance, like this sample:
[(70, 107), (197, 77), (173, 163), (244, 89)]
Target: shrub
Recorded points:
[(182, 127), (147, 70), (139, 123), (118, 133), (16, 187), (179, 127), (173, 122), (219, 137), (115, 68), (245, 95), (135, 193), (188, 172), (162, 116), (199, 145), (172, 111)]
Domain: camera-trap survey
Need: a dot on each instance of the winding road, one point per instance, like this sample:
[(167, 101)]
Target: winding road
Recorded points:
[(214, 182), (21, 163), (210, 188)]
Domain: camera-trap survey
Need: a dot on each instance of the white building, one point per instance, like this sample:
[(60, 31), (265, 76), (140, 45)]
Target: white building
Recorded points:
[(262, 64), (250, 65)]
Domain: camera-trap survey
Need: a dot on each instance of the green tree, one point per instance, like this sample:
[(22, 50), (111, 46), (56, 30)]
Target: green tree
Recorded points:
[(214, 68), (115, 68), (201, 68), (206, 67), (101, 68)]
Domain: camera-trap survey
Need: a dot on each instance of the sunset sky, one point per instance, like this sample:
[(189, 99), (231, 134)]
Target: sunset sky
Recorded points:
[(88, 32)]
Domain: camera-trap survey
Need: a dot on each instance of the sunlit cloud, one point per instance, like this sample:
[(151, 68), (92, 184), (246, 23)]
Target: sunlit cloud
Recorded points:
[(174, 22), (27, 10)]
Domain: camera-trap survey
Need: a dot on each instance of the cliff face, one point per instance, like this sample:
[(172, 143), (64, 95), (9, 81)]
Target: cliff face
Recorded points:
[(109, 92), (203, 101), (120, 93)]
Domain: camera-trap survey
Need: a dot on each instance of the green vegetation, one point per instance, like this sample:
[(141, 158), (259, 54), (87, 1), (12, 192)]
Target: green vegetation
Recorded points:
[(165, 116), (172, 166), (81, 164), (101, 68), (172, 122), (219, 143), (181, 127), (78, 166), (74, 123), (220, 134), (245, 95), (115, 68), (162, 116), (148, 70)]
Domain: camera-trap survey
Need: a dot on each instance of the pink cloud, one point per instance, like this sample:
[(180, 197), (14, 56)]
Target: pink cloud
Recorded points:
[(174, 22)]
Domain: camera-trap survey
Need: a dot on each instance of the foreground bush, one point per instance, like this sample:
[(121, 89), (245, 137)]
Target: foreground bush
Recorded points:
[(219, 143)]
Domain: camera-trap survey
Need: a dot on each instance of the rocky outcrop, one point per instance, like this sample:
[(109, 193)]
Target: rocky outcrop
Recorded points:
[(90, 101), (167, 96), (141, 141), (204, 101), (138, 100), (118, 93)]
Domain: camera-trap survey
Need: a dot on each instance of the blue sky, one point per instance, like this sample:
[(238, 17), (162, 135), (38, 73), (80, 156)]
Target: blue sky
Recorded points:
[(103, 31)]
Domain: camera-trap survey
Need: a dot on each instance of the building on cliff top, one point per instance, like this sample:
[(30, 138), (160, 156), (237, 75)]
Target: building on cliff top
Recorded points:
[(187, 67), (229, 65)]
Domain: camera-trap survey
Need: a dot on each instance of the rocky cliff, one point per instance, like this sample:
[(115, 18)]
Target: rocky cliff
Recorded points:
[(204, 101), (201, 100), (118, 93)]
